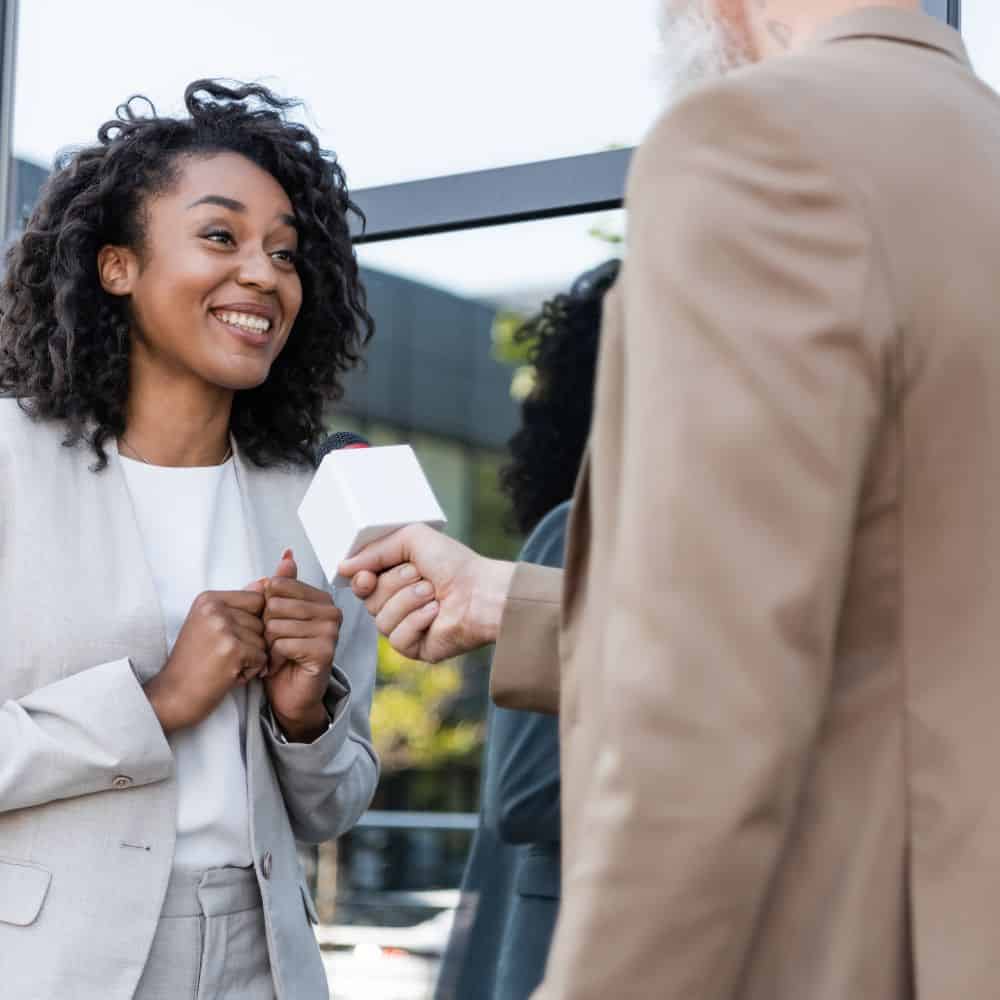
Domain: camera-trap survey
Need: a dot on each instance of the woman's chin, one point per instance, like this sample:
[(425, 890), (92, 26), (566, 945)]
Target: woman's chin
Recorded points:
[(239, 373), (238, 381)]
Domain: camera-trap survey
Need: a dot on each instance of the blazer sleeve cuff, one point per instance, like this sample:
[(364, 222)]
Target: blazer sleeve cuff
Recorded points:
[(525, 672), (315, 756)]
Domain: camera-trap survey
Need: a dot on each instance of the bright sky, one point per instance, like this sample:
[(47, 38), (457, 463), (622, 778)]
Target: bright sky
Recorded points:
[(399, 88)]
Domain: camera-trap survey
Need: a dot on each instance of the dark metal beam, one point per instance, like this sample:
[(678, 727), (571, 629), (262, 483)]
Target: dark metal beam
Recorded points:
[(8, 56), (542, 190), (520, 193), (946, 10)]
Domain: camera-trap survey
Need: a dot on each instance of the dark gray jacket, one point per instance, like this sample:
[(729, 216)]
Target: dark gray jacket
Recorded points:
[(511, 888)]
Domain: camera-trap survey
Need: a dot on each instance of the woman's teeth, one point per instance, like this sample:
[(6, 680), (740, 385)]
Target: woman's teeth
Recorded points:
[(245, 321)]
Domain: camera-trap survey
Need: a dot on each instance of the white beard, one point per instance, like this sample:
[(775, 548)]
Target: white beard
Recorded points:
[(697, 46)]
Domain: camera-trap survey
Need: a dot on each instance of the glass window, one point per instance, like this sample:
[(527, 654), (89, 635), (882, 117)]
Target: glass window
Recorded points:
[(399, 90), (981, 29), (439, 375), (515, 266), (444, 306), (536, 81)]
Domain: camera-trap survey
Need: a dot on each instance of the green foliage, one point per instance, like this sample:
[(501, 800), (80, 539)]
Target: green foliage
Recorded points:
[(509, 349), (408, 712), (506, 347), (491, 510), (607, 235)]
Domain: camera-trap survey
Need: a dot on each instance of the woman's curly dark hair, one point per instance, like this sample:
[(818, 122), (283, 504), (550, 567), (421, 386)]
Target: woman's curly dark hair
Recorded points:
[(555, 417), (64, 341)]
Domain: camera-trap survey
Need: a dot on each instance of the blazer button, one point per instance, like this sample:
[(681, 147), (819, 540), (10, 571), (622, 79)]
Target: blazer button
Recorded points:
[(265, 864), (122, 781)]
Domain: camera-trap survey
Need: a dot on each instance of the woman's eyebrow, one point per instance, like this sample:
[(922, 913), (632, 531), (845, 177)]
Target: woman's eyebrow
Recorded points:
[(237, 206), (217, 199)]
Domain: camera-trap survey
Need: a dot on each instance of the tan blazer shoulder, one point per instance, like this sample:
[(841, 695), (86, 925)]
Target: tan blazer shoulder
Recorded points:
[(779, 613)]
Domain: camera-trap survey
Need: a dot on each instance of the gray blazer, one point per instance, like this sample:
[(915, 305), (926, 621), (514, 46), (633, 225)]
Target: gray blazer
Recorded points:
[(87, 792)]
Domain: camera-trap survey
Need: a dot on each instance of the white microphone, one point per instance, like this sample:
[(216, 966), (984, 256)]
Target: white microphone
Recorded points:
[(360, 494)]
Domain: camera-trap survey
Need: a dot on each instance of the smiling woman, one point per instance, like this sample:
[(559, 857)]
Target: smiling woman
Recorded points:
[(182, 302), (233, 205)]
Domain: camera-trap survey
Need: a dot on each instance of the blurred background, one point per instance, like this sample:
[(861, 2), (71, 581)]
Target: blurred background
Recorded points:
[(488, 143)]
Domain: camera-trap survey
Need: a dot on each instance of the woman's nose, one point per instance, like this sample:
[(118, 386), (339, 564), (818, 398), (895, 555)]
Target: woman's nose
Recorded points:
[(257, 269)]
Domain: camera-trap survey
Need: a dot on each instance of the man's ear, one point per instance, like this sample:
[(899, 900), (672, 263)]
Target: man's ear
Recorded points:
[(117, 268)]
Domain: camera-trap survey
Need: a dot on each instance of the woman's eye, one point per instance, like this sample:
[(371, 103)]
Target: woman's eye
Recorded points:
[(219, 236), (285, 256)]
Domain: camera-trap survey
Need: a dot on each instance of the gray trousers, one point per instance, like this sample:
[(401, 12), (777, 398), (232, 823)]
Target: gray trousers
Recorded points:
[(210, 942)]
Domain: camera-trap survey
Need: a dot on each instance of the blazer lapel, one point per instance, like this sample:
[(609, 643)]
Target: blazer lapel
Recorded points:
[(260, 546)]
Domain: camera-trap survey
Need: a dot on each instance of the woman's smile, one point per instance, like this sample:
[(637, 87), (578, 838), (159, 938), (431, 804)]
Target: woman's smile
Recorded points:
[(250, 323)]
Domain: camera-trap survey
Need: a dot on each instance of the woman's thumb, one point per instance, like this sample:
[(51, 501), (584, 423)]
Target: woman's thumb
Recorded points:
[(287, 567)]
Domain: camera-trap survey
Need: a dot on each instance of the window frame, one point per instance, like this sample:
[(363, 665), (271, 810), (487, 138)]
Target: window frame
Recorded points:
[(8, 71), (528, 191), (524, 192)]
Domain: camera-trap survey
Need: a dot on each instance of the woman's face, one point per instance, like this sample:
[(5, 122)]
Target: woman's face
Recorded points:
[(214, 291)]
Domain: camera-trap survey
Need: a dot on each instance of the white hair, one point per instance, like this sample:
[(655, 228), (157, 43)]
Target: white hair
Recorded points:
[(698, 45)]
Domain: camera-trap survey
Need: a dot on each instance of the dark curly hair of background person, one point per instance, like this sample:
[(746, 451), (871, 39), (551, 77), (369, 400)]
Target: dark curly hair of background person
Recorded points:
[(64, 341), (555, 417)]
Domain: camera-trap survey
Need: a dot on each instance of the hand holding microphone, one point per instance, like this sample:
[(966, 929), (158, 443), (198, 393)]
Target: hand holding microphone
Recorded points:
[(430, 595), (370, 516)]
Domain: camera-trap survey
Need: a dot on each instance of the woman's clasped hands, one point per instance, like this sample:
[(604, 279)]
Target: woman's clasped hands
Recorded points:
[(278, 629)]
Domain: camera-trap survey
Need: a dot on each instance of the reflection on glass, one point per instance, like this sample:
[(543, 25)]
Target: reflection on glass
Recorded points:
[(439, 375), (511, 267), (399, 90)]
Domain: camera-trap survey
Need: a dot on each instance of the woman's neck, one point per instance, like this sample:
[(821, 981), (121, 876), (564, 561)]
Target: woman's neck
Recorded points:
[(176, 422)]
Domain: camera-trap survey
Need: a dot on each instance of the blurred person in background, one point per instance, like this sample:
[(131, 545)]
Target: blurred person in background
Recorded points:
[(511, 889), (180, 698), (777, 626)]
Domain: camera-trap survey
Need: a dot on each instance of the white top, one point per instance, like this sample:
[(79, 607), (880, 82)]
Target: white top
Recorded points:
[(195, 538)]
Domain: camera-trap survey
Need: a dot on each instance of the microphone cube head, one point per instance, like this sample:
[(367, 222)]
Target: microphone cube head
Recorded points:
[(360, 495)]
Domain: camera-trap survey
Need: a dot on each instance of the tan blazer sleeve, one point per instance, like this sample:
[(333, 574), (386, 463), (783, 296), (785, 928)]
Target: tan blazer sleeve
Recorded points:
[(756, 324), (525, 671)]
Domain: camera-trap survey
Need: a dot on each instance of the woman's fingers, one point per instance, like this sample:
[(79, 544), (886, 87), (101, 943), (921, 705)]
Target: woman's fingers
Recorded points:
[(251, 638), (245, 620), (287, 567), (300, 624), (291, 628), (285, 607), (281, 586), (310, 654), (395, 609), (254, 662), (250, 601)]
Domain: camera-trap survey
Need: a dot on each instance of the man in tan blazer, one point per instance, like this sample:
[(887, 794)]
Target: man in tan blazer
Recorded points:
[(780, 616)]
